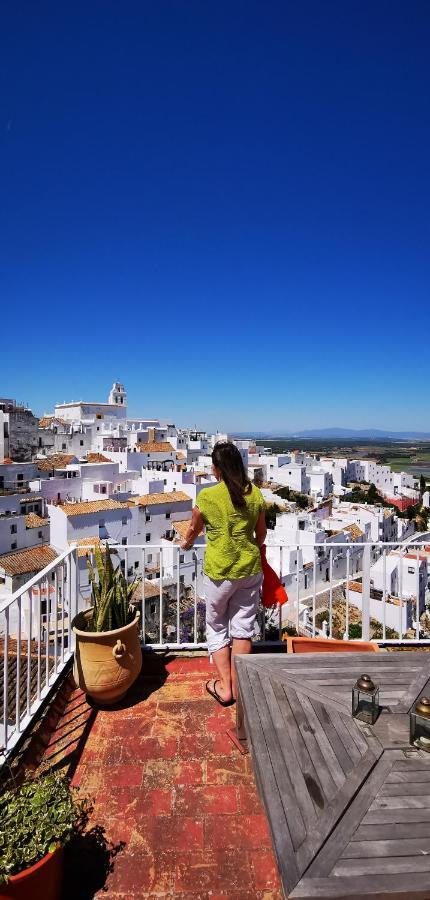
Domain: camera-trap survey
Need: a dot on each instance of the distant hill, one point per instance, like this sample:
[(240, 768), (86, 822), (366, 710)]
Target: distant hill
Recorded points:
[(343, 433), (365, 433)]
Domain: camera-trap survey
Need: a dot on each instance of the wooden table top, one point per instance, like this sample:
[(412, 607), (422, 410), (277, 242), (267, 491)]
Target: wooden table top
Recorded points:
[(348, 804)]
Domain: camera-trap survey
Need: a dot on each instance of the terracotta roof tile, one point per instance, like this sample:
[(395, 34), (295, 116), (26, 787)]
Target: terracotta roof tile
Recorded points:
[(46, 421), (91, 506), (182, 526), (97, 458), (32, 559), (155, 447), (85, 545), (158, 499), (32, 520), (56, 461), (354, 530)]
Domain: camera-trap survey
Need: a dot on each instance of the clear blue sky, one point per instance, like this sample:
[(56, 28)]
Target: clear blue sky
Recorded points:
[(224, 205)]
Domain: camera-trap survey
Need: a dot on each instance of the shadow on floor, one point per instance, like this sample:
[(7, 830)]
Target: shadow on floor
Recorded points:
[(88, 860)]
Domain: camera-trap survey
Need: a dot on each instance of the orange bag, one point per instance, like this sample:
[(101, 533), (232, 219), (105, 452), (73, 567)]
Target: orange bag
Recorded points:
[(273, 590)]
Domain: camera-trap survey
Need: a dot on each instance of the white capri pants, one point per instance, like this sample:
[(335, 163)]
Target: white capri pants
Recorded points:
[(231, 609)]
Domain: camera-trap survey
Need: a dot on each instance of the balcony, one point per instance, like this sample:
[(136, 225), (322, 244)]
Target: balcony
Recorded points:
[(176, 798)]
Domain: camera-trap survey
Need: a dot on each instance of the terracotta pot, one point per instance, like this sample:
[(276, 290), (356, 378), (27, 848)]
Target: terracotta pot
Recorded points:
[(39, 882), (107, 662)]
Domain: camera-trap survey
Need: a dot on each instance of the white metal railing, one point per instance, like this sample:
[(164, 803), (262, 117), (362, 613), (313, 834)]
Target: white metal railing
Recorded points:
[(36, 643), (329, 594)]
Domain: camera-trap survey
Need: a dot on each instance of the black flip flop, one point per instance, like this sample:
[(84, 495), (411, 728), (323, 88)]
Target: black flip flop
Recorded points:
[(216, 695)]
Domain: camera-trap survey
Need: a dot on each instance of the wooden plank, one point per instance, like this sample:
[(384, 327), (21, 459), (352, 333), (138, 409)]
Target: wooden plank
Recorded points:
[(266, 780), (393, 848), (420, 777), (329, 786), (330, 816), (386, 816), (389, 865), (326, 859), (304, 760), (380, 887), (422, 801), (346, 736), (416, 686), (309, 803), (272, 724), (320, 735), (334, 736), (404, 788), (418, 764), (387, 832)]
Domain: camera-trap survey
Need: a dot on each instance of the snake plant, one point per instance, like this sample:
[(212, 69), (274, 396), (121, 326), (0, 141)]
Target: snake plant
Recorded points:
[(111, 594)]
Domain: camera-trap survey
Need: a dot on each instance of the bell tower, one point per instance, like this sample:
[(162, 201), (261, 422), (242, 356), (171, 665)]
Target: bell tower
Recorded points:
[(118, 395)]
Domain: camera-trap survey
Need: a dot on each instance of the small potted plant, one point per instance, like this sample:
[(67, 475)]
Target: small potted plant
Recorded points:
[(37, 819), (108, 656)]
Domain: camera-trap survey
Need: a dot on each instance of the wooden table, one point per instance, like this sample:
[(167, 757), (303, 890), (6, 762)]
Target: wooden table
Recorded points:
[(348, 804)]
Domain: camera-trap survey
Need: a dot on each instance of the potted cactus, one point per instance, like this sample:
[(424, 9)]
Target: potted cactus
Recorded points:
[(108, 657), (38, 818)]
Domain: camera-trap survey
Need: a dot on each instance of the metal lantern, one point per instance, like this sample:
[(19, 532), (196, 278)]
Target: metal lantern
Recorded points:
[(365, 700), (419, 722)]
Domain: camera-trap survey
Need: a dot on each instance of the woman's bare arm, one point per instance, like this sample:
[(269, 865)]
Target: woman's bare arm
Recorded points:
[(196, 527), (261, 528)]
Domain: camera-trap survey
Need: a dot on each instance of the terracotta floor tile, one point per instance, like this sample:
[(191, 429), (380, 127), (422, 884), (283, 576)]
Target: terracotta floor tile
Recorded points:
[(207, 799), (247, 832), (229, 770), (167, 781), (213, 871), (265, 870)]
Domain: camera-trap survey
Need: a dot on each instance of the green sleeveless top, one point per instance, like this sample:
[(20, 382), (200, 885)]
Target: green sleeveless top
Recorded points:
[(231, 550)]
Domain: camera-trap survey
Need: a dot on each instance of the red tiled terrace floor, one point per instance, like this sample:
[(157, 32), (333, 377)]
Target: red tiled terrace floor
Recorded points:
[(167, 781)]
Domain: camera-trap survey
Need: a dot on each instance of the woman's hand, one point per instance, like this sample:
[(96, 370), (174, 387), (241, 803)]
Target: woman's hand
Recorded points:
[(195, 528)]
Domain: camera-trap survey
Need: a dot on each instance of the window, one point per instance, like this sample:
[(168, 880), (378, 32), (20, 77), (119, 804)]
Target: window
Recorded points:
[(149, 557), (124, 542), (165, 481), (19, 477), (147, 517), (411, 570), (13, 546), (40, 534), (168, 515), (136, 565), (147, 538), (13, 529), (63, 446), (124, 520), (81, 443), (181, 579)]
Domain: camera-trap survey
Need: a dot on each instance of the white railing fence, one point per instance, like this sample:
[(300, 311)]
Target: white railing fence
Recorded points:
[(375, 591)]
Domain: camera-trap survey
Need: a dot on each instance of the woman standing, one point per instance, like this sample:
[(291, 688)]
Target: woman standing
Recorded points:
[(233, 513)]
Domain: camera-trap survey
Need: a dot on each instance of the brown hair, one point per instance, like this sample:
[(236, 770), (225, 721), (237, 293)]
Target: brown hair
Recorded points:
[(226, 457)]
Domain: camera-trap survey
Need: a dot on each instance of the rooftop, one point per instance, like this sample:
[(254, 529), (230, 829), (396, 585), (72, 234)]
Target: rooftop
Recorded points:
[(158, 499), (56, 461), (168, 783), (156, 447), (91, 506), (31, 559), (97, 458), (32, 520)]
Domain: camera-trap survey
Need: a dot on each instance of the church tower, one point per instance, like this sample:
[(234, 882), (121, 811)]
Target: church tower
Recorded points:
[(118, 396)]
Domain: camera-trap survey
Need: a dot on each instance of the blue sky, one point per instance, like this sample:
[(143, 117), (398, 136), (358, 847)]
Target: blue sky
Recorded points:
[(223, 205)]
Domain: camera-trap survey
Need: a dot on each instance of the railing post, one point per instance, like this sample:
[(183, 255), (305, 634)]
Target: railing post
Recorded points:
[(365, 596), (74, 586)]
